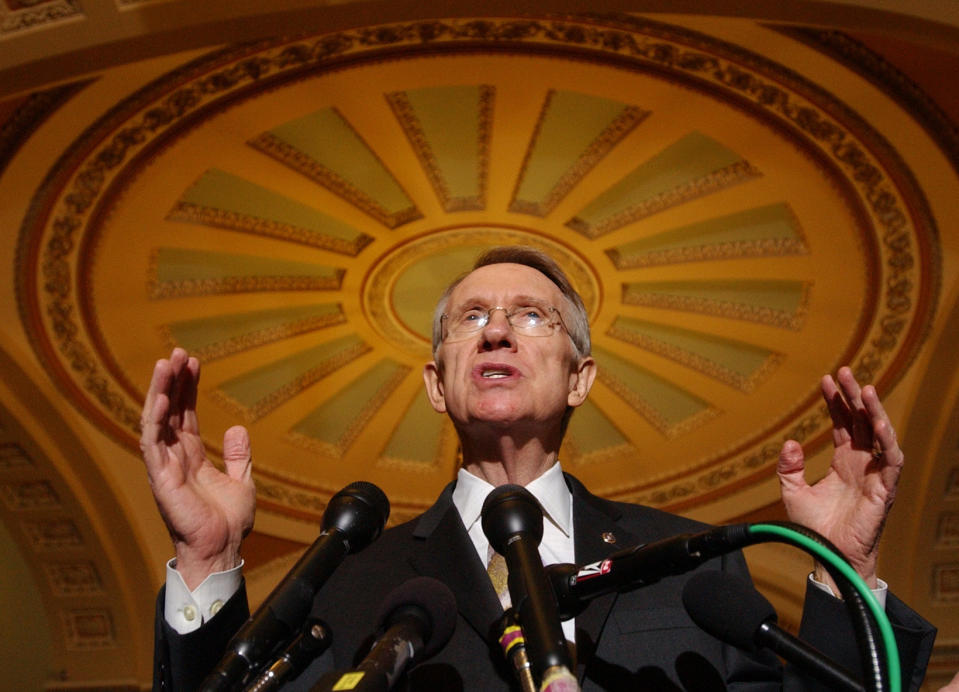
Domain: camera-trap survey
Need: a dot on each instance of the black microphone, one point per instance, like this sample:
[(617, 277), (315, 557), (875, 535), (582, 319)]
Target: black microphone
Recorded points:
[(353, 519), (732, 610), (416, 620), (313, 640), (513, 523), (641, 565)]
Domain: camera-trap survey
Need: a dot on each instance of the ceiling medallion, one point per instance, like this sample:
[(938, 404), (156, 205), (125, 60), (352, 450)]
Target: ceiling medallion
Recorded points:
[(292, 210), (401, 289)]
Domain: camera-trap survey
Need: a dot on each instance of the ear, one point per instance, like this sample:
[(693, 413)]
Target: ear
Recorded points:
[(581, 381), (432, 377)]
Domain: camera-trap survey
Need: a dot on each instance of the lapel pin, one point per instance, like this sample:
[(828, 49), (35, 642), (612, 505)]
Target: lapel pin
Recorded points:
[(609, 537)]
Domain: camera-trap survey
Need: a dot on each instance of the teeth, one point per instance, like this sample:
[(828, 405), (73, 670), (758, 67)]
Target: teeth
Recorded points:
[(495, 374)]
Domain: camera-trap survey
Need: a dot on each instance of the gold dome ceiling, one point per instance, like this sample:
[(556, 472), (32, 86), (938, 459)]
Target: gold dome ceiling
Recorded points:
[(744, 206), (290, 210)]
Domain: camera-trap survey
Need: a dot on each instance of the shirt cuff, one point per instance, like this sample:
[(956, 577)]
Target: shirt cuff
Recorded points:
[(879, 592), (184, 610)]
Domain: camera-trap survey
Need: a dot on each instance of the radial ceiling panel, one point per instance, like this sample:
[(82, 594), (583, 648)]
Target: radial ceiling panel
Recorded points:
[(735, 231)]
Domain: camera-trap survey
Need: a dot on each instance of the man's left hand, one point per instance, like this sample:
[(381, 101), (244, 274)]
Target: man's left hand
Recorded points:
[(850, 503)]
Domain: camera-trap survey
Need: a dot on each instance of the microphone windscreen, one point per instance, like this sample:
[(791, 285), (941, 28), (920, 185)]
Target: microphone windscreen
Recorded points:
[(423, 597), (509, 510), (727, 606), (360, 511)]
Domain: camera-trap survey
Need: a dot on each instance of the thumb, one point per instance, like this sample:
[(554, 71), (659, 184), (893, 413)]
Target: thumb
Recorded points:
[(236, 453), (791, 467)]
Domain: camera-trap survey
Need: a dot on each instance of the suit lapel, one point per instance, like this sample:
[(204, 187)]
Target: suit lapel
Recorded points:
[(596, 535), (445, 552)]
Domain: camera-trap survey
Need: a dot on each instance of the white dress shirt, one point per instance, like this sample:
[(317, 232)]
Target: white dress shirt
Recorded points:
[(553, 495)]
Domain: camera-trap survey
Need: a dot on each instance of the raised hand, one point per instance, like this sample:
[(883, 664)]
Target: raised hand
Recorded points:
[(206, 511), (850, 503)]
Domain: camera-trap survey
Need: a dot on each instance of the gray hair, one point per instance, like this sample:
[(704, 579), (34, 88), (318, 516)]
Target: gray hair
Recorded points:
[(576, 320)]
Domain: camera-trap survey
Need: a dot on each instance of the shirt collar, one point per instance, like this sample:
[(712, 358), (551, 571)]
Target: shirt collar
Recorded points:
[(549, 489)]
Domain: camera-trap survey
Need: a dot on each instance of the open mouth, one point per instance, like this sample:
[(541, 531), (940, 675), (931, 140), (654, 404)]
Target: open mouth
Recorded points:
[(494, 374), (495, 371)]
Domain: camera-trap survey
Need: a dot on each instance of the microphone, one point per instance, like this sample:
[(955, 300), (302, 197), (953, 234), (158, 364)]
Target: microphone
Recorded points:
[(640, 565), (416, 620), (315, 638), (729, 608), (513, 523), (509, 635), (353, 519)]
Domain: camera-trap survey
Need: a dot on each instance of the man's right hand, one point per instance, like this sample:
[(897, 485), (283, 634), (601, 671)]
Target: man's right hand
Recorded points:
[(207, 512)]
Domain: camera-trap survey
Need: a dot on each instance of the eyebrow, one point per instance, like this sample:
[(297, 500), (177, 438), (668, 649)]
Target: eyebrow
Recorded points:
[(520, 300)]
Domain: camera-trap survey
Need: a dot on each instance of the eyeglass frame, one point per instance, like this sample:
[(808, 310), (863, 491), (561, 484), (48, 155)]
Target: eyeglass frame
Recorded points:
[(507, 313)]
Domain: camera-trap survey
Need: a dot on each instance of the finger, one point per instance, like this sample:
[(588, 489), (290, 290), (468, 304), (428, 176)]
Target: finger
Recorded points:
[(886, 442), (183, 390), (191, 380), (839, 412), (850, 386), (791, 469), (875, 409), (237, 457), (157, 401), (890, 455), (861, 423)]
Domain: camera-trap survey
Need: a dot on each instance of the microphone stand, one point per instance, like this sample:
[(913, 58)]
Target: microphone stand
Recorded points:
[(513, 523), (509, 635)]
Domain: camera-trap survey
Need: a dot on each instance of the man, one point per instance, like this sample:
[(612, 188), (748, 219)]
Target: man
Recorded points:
[(511, 362)]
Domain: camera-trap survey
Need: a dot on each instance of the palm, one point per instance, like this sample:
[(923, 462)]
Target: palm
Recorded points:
[(207, 511), (850, 503)]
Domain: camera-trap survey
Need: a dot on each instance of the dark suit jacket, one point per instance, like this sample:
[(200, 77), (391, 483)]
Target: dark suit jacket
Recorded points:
[(637, 640)]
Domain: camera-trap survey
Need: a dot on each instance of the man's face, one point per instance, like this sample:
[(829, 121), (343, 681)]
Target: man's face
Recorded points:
[(501, 376)]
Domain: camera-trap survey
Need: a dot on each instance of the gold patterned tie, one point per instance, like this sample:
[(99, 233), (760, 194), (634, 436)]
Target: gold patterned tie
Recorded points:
[(499, 575)]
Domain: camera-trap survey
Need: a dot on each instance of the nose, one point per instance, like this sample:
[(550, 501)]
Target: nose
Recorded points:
[(498, 333)]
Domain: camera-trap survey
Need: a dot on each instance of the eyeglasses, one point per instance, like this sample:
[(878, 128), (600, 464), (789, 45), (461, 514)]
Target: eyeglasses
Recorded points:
[(532, 319)]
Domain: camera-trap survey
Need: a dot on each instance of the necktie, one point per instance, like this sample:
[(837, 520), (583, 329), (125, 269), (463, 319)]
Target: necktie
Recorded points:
[(498, 575)]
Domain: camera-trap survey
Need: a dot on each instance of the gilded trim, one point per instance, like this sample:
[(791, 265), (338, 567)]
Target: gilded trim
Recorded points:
[(734, 174), (744, 383), (604, 143), (235, 221), (633, 295)]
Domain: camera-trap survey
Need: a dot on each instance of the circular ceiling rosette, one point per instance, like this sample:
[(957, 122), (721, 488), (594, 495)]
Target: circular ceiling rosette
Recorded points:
[(289, 211)]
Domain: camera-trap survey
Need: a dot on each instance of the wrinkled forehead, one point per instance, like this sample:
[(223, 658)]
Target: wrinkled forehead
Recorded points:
[(504, 284)]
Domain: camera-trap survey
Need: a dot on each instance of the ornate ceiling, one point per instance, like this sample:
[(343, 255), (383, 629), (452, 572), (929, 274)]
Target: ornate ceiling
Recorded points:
[(744, 206)]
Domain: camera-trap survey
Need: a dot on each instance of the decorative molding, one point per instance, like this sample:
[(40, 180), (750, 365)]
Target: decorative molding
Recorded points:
[(947, 531), (88, 629), (945, 583), (274, 147), (29, 495), (348, 436), (24, 16), (650, 413), (605, 141), (413, 130), (13, 457), (579, 458), (634, 295), (742, 382), (73, 578), (894, 83), (188, 212), (52, 535), (734, 249), (244, 342), (718, 180), (184, 288), (290, 389)]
